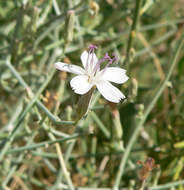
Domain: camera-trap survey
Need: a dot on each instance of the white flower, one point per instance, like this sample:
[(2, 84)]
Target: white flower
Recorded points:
[(91, 75)]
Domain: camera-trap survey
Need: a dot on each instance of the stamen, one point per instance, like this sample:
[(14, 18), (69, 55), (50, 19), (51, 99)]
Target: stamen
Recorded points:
[(91, 51), (92, 48), (97, 66), (87, 62), (106, 57), (110, 60)]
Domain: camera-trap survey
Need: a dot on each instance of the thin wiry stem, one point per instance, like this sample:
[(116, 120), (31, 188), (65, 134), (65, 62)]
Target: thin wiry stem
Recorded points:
[(52, 137), (53, 118), (147, 112), (168, 185), (62, 162), (9, 140), (158, 187), (43, 144), (133, 30)]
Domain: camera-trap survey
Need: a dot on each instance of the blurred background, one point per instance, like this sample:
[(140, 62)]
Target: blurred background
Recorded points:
[(37, 147)]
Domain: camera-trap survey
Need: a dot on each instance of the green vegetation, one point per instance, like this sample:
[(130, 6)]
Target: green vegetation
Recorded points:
[(137, 144)]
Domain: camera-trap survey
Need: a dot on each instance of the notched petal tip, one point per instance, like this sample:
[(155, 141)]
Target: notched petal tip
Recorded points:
[(110, 92), (115, 74), (125, 78)]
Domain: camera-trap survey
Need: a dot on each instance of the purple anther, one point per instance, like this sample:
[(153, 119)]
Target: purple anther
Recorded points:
[(92, 47), (106, 57)]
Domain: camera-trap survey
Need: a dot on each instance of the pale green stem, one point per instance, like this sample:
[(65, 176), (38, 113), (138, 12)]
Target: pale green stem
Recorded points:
[(133, 30), (10, 139), (100, 124), (43, 144), (62, 162), (168, 185), (53, 118), (147, 112)]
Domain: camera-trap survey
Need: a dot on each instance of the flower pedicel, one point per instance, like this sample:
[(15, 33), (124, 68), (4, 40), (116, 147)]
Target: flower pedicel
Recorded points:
[(91, 75)]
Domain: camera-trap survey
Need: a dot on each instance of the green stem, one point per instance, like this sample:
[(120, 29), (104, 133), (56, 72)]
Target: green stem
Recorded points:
[(133, 30), (62, 162), (100, 124), (168, 185), (147, 112), (59, 152), (19, 159), (43, 144), (159, 187), (53, 118), (22, 116)]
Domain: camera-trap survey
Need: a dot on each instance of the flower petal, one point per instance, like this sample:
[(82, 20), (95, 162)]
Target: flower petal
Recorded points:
[(80, 84), (110, 92), (92, 59), (69, 68), (115, 74)]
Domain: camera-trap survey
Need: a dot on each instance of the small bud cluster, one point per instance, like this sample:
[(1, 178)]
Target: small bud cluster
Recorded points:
[(147, 168)]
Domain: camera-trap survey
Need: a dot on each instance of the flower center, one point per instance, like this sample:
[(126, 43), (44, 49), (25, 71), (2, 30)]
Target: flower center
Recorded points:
[(92, 69), (91, 78)]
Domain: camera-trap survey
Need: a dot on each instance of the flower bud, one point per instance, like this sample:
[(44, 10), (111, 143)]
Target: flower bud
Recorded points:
[(140, 110), (69, 26), (94, 8), (35, 19), (133, 89), (69, 112), (132, 54)]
